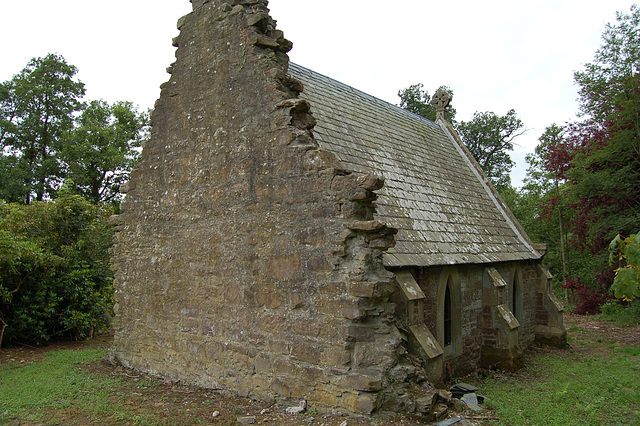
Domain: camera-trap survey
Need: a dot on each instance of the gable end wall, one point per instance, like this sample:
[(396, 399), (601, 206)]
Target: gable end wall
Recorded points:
[(247, 258)]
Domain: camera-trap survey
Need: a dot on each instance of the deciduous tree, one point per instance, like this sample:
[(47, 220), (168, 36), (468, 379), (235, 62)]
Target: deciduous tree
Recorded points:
[(604, 154), (544, 187), (103, 148), (36, 112), (490, 138), (598, 159)]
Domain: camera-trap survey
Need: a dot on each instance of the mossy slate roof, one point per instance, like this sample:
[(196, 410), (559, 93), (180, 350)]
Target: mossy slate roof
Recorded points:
[(434, 193)]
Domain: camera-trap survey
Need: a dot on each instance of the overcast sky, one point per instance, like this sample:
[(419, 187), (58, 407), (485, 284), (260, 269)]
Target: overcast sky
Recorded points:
[(495, 55)]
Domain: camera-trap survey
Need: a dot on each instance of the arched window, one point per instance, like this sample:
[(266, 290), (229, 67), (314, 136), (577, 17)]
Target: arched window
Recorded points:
[(449, 319), (515, 301), (447, 315), (514, 296)]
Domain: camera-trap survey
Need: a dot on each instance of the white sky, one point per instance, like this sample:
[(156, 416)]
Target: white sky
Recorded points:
[(495, 55)]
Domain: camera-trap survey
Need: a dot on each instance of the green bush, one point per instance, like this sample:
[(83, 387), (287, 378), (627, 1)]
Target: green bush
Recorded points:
[(623, 314), (626, 284), (55, 279)]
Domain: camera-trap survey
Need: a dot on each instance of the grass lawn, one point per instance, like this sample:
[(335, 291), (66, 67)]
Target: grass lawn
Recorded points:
[(570, 390), (596, 382), (54, 390)]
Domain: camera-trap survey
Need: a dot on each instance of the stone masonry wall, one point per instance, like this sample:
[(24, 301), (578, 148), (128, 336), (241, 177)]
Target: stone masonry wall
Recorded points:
[(477, 328), (247, 258)]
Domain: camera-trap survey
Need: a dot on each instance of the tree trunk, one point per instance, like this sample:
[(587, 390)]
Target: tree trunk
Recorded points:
[(562, 248)]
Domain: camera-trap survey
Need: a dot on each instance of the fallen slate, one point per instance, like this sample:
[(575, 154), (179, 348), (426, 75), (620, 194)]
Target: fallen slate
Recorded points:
[(460, 389), (471, 401), (249, 420), (470, 398), (448, 422)]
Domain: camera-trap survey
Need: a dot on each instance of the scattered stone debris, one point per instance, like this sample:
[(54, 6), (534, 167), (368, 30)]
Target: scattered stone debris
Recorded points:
[(299, 409), (249, 420), (443, 404), (460, 389), (439, 406), (471, 401), (467, 394), (448, 422), (215, 414)]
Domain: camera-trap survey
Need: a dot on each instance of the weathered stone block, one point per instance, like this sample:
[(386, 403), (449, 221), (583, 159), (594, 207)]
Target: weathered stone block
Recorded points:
[(351, 309), (335, 355), (284, 267), (551, 336), (362, 382), (372, 354), (510, 359), (284, 367), (361, 333), (280, 388), (319, 264), (271, 299), (365, 404), (366, 225), (262, 364), (326, 395), (306, 352)]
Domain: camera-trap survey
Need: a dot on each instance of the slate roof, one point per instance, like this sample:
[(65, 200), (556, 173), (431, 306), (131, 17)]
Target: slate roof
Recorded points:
[(433, 194)]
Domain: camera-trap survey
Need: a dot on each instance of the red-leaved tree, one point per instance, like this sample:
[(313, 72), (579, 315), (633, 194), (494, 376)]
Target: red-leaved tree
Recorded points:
[(598, 158)]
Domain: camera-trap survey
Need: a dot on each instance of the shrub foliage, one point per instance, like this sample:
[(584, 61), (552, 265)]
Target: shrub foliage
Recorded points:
[(55, 279)]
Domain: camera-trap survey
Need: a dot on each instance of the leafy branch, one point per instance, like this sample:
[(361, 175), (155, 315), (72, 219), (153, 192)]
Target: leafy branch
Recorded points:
[(626, 284)]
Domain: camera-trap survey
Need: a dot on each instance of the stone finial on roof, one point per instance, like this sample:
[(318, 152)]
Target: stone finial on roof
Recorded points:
[(440, 101)]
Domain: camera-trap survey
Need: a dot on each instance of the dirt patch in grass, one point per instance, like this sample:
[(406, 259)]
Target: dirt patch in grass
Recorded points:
[(136, 398), (29, 354), (173, 403), (587, 332)]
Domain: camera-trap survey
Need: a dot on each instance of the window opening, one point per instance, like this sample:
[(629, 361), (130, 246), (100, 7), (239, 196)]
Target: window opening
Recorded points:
[(514, 297), (447, 316)]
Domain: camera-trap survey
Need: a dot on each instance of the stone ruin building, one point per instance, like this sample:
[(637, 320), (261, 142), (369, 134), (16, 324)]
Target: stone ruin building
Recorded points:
[(288, 237)]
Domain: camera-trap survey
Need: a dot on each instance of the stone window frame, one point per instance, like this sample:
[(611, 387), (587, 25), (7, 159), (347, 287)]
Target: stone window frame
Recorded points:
[(448, 315), (515, 294), (450, 277)]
